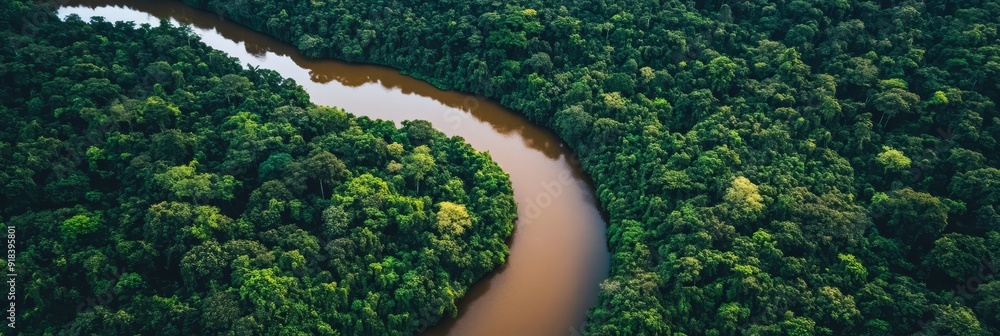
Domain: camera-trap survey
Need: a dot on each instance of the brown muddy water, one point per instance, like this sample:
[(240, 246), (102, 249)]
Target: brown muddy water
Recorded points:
[(558, 253)]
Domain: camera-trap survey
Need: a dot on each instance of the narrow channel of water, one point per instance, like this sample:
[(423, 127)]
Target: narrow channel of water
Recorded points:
[(558, 252)]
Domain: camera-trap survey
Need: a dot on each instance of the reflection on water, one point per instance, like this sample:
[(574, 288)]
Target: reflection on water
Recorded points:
[(558, 250)]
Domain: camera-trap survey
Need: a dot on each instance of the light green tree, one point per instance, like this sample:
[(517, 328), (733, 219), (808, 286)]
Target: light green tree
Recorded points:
[(184, 182), (453, 219), (893, 160), (743, 199)]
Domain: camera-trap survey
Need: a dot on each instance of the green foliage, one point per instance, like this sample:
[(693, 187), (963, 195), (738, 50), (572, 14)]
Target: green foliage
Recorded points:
[(185, 183), (743, 198), (868, 131), (192, 196), (893, 160), (452, 219), (643, 91), (853, 119), (955, 320), (957, 255), (913, 216), (79, 225), (989, 307)]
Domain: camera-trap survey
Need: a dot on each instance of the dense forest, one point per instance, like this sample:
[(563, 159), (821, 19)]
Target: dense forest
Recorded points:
[(158, 187), (769, 167)]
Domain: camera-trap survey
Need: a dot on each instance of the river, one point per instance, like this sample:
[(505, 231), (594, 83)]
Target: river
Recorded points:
[(558, 251)]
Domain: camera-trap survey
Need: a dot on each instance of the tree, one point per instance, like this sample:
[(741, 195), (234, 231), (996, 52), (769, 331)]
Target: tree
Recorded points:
[(184, 182), (452, 219), (574, 122), (173, 145), (418, 164), (989, 307), (893, 160), (326, 167), (982, 186), (395, 149), (894, 99), (721, 72), (731, 314), (743, 199), (159, 111), (957, 255), (327, 118), (274, 166), (335, 222), (914, 216), (80, 225), (165, 228), (419, 131), (220, 311), (310, 45), (204, 265), (605, 130), (539, 62), (954, 320), (365, 190), (233, 85), (208, 221), (853, 270)]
